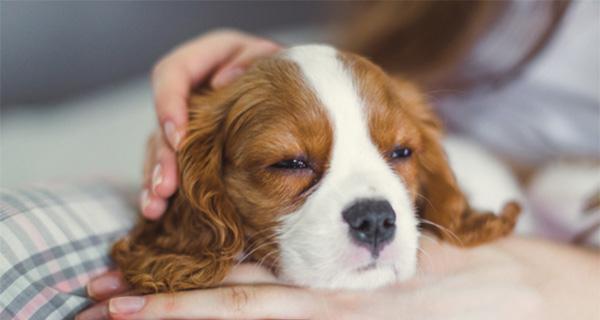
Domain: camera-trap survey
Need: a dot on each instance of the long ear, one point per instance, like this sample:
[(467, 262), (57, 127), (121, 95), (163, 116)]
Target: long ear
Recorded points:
[(442, 205), (197, 240)]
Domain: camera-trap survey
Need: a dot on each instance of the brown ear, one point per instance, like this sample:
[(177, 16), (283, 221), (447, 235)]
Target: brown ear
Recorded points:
[(442, 205), (197, 240)]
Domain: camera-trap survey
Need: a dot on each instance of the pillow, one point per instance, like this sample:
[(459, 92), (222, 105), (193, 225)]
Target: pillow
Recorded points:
[(53, 239)]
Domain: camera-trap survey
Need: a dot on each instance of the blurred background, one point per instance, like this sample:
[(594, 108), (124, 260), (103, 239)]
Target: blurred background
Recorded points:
[(75, 96), (75, 100), (522, 78)]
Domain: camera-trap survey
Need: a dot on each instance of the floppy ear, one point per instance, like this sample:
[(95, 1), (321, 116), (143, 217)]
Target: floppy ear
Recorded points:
[(197, 240), (442, 205)]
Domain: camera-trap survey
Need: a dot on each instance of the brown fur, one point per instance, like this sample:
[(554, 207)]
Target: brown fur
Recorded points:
[(234, 135), (397, 106), (230, 196)]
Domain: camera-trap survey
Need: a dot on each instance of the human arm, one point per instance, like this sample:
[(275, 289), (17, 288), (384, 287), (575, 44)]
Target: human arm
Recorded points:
[(514, 278)]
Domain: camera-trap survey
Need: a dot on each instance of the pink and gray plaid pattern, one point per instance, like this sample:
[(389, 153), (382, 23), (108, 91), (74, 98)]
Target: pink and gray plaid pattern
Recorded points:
[(53, 239)]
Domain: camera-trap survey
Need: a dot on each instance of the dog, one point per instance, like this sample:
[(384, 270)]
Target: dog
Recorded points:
[(315, 164)]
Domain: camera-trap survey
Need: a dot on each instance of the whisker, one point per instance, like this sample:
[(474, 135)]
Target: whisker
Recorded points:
[(268, 241), (421, 196), (260, 242), (260, 233), (263, 259), (443, 229), (428, 256), (430, 238)]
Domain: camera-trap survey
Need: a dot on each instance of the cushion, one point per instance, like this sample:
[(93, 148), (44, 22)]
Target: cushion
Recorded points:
[(54, 237)]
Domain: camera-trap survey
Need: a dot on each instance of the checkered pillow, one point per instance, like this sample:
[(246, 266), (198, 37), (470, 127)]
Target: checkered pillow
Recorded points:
[(53, 239)]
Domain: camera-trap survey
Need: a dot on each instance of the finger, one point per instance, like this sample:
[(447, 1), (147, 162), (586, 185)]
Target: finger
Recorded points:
[(236, 67), (164, 173), (175, 75), (96, 312), (171, 86), (247, 273), (152, 206), (106, 285), (237, 302), (152, 145)]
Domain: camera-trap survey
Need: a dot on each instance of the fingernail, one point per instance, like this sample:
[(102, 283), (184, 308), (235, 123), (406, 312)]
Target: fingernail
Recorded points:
[(172, 135), (228, 76), (98, 312), (156, 177), (144, 199), (126, 304), (104, 285)]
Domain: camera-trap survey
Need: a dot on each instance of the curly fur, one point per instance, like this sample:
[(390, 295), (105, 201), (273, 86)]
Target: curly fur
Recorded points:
[(203, 233), (196, 241)]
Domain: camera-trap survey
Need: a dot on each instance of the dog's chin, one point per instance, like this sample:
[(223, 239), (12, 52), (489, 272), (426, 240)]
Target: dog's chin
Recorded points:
[(367, 277)]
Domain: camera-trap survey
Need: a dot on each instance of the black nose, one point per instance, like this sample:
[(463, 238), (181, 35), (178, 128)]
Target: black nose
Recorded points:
[(372, 223)]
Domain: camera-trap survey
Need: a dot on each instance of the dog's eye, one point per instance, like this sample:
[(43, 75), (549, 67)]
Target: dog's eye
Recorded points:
[(293, 164), (400, 153)]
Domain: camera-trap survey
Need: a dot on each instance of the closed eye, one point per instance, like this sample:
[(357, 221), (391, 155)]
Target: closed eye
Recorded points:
[(291, 164)]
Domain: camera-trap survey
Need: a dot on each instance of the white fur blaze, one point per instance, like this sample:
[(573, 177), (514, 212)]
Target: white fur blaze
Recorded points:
[(316, 249)]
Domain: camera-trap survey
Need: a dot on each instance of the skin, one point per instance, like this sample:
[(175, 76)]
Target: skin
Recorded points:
[(216, 58), (514, 278)]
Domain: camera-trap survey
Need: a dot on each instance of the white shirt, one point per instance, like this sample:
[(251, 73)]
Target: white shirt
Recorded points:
[(553, 108)]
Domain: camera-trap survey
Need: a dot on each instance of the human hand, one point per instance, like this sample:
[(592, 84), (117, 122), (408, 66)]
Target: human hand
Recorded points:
[(111, 284), (509, 279), (221, 56)]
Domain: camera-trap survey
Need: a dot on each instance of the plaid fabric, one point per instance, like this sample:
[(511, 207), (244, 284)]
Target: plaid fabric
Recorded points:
[(53, 239)]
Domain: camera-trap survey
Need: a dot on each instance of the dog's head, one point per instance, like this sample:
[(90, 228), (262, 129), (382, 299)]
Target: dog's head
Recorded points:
[(317, 164)]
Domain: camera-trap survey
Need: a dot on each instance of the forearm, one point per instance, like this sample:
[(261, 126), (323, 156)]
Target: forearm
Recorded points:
[(566, 277)]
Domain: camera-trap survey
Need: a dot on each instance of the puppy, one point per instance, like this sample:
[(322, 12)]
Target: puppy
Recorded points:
[(316, 164)]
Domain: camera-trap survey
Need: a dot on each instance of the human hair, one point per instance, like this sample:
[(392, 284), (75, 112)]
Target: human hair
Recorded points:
[(433, 42)]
